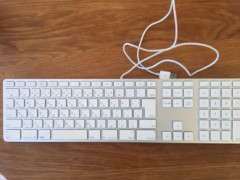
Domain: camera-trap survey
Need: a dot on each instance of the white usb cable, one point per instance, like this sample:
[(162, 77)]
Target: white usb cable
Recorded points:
[(159, 51)]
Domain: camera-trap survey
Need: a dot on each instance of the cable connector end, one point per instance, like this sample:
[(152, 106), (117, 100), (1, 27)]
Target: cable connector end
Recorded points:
[(167, 75)]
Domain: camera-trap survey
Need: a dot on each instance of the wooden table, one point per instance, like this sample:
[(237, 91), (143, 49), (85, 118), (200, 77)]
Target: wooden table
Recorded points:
[(83, 39)]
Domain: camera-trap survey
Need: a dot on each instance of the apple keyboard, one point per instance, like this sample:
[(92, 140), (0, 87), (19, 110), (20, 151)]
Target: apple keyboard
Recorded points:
[(122, 110)]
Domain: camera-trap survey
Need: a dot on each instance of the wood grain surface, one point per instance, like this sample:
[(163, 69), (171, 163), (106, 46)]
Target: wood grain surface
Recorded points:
[(83, 39)]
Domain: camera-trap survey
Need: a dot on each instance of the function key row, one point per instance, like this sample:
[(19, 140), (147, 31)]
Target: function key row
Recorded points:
[(79, 83), (177, 83), (216, 83)]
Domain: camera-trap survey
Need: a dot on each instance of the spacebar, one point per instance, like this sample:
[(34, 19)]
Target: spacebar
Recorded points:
[(69, 134)]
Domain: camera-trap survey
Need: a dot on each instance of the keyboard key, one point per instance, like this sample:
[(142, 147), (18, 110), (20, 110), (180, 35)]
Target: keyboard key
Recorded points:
[(166, 93), (151, 92), (166, 136), (117, 113), (226, 125), (148, 124), (85, 113), (167, 103), (112, 124), (130, 93), (11, 113), (107, 84), (37, 123), (74, 84), (118, 84), (122, 124), (166, 83), (109, 135), (226, 83), (126, 135), (96, 83), (132, 124), (52, 83), (129, 84), (42, 83), (124, 102), (151, 84), (215, 124), (12, 134), (188, 92), (69, 123), (215, 103), (226, 103), (50, 103), (137, 113), (90, 123), (203, 124), (79, 123), (177, 103), (203, 136), (177, 136), (27, 123), (85, 84), (188, 136), (140, 83), (94, 134), (203, 93), (31, 83), (44, 134), (214, 114), (226, 92), (69, 134), (12, 92), (203, 83), (177, 92), (177, 125), (226, 136), (236, 114), (215, 135), (215, 83), (48, 123), (226, 114), (13, 124), (74, 113), (236, 93), (114, 103), (236, 83), (150, 107), (29, 134), (188, 83), (236, 103), (9, 103), (177, 83), (203, 114), (66, 92), (25, 92), (140, 93), (188, 103), (203, 103), (63, 84), (20, 83), (10, 83), (144, 135), (215, 92), (22, 113), (101, 124)]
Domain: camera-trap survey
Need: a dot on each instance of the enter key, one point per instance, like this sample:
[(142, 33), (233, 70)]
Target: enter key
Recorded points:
[(150, 107)]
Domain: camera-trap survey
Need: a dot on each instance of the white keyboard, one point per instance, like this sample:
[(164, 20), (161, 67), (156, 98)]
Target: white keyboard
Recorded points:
[(129, 110)]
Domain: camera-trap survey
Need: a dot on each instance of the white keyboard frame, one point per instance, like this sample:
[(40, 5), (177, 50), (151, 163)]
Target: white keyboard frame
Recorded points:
[(166, 118)]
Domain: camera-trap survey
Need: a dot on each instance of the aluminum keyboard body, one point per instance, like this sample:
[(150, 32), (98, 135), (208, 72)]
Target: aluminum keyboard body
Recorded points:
[(129, 110)]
